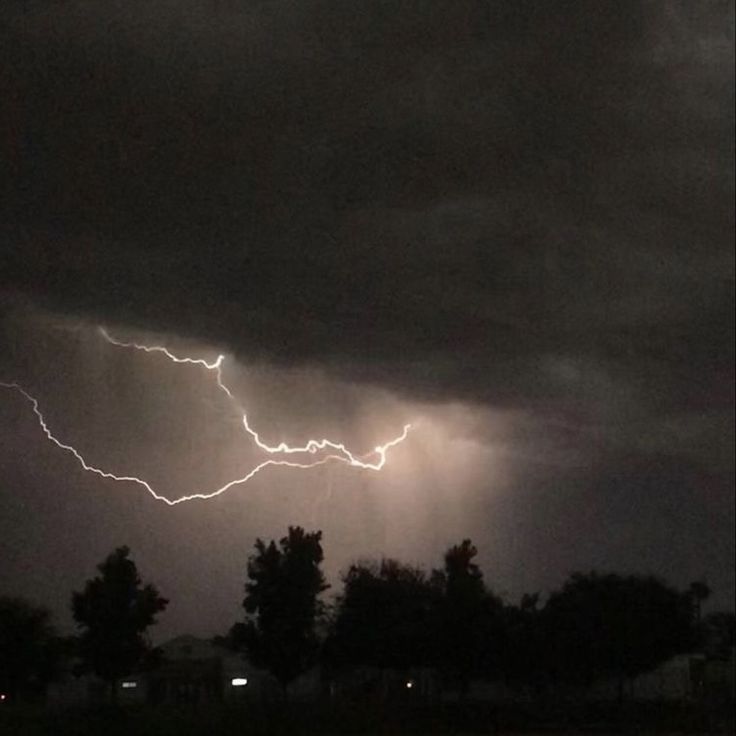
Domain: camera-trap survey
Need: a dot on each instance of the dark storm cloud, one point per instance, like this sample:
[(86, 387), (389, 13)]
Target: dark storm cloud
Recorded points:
[(522, 203)]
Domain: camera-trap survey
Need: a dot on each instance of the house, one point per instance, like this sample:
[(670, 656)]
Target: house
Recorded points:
[(691, 676), (190, 670), (194, 670)]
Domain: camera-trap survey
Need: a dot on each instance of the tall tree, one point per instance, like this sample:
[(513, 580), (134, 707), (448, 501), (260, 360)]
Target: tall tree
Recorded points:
[(522, 646), (113, 612), (471, 617), (27, 647), (282, 604)]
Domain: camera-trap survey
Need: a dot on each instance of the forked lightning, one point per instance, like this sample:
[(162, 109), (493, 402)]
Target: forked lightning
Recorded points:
[(338, 451)]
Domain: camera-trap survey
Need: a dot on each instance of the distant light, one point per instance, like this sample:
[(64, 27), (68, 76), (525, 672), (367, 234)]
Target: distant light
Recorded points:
[(128, 685), (409, 684), (3, 696), (239, 681)]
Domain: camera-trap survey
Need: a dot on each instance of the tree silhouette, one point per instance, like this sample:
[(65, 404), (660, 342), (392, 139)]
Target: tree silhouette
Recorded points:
[(470, 633), (113, 611), (386, 617), (282, 606), (27, 647), (522, 643), (614, 626)]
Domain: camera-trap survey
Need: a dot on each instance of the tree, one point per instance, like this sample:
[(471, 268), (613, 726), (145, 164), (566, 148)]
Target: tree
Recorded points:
[(523, 647), (114, 611), (613, 626), (282, 606), (27, 647), (386, 617), (470, 632)]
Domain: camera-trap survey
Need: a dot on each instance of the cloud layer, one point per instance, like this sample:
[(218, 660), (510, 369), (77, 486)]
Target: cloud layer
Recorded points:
[(521, 204)]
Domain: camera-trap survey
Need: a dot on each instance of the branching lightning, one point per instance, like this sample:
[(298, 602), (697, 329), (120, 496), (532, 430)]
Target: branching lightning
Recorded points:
[(374, 460)]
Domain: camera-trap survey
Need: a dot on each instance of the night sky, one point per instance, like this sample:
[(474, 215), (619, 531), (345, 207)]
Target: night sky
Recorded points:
[(509, 223)]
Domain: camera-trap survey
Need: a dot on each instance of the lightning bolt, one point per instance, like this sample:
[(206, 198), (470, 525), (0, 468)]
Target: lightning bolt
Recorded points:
[(340, 452), (312, 446)]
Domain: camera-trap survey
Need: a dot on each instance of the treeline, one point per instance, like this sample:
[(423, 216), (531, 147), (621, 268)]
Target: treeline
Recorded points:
[(395, 616), (389, 615)]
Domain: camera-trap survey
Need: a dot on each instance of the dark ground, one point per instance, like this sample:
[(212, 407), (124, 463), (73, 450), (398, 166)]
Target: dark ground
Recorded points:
[(472, 718)]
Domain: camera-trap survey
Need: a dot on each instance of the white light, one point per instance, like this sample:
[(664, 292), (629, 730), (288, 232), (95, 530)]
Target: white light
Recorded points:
[(128, 685), (239, 681), (410, 684)]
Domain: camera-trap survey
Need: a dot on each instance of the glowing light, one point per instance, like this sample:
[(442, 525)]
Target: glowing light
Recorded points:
[(239, 681), (338, 451), (128, 685), (409, 684)]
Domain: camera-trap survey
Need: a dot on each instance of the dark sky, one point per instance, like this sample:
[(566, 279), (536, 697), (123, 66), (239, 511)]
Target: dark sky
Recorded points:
[(511, 221)]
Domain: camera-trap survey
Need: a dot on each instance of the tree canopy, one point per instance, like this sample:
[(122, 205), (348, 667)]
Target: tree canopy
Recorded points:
[(393, 615), (470, 620), (615, 626), (386, 616), (113, 612), (282, 604)]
